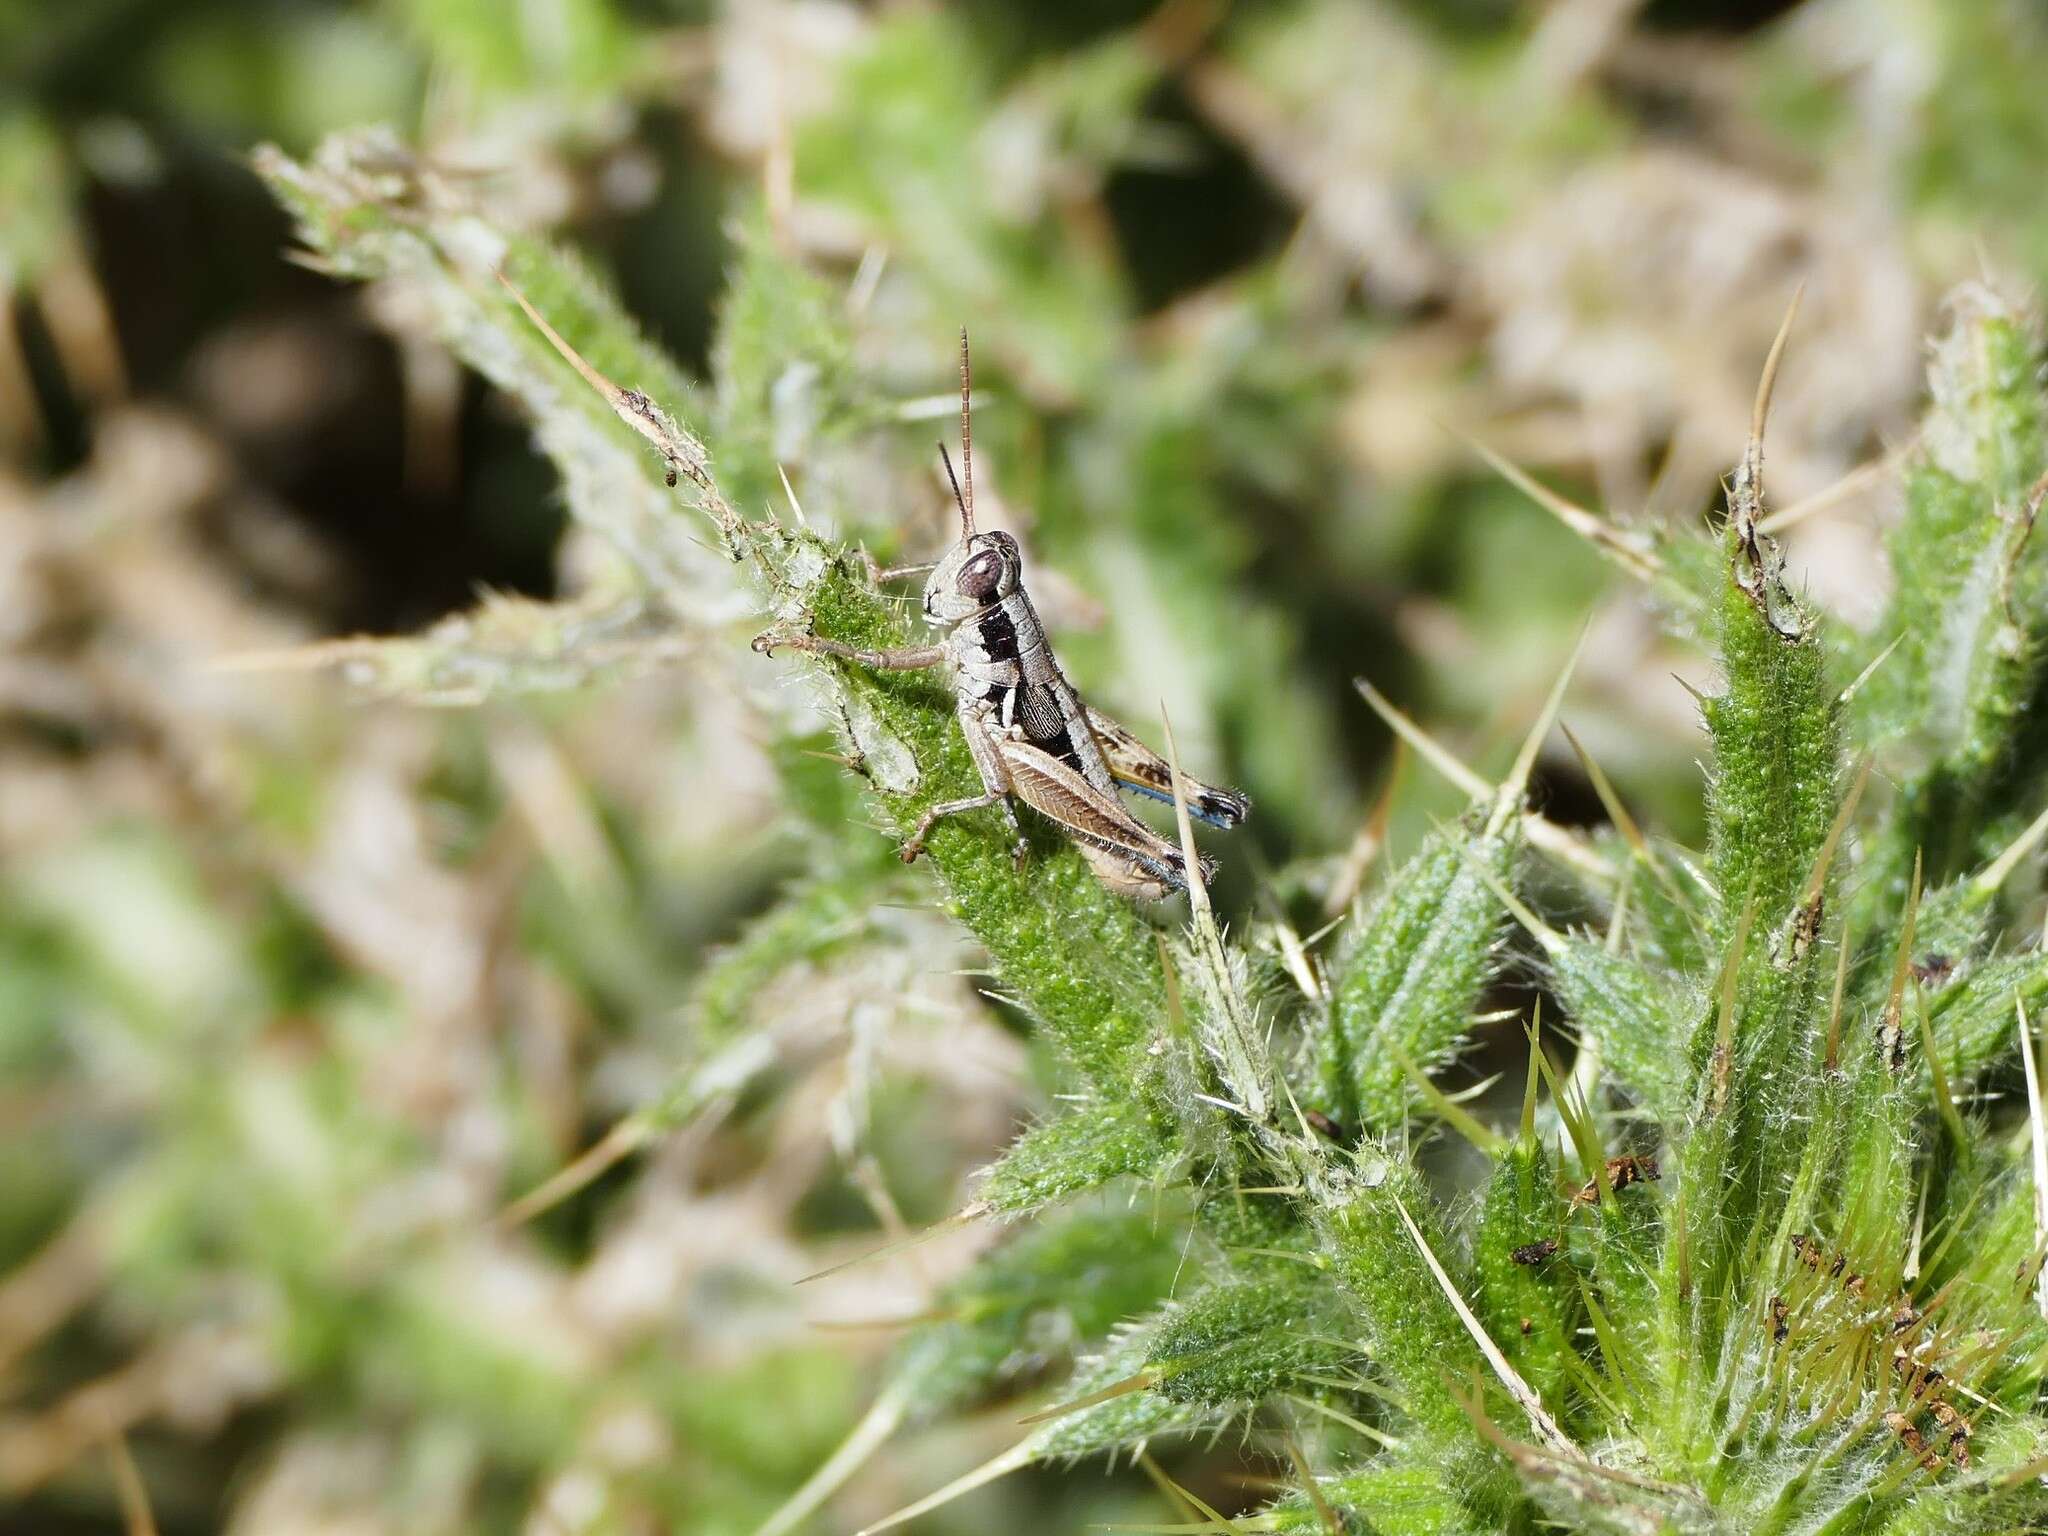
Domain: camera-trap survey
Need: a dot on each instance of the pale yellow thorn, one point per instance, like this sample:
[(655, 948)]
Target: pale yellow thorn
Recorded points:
[(1618, 813), (1826, 857), (570, 355), (610, 1149), (2039, 1140), (1870, 671), (1173, 1491), (1484, 1086), (794, 505), (1767, 384), (1314, 1489), (1849, 485), (137, 1519), (1190, 1502), (1517, 782), (1016, 1457), (1914, 1242), (1370, 841), (1294, 956), (1551, 940), (1996, 873), (1543, 834), (1300, 1119), (1357, 1426), (875, 1427), (1461, 1120), (296, 658), (1831, 1062), (1198, 891), (1427, 747), (629, 405), (1611, 802), (1903, 964), (1589, 526), (1944, 1096), (1617, 918), (959, 1218), (1510, 1378), (1143, 1381), (884, 1324), (1566, 846), (1248, 1063)]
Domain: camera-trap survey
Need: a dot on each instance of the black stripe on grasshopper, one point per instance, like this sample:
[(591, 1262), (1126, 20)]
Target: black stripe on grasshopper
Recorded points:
[(1031, 737)]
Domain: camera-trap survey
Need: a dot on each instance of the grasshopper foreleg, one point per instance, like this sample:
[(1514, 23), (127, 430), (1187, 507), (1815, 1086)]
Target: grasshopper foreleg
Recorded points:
[(904, 658), (995, 784), (880, 574)]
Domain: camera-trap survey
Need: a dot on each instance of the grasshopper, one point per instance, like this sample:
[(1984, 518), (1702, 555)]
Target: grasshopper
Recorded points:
[(1031, 736)]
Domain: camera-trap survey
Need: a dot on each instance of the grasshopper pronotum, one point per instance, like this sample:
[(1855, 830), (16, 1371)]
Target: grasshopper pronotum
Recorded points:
[(1031, 736)]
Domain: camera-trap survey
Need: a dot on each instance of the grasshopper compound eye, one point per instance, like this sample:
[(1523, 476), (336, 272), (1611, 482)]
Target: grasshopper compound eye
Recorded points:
[(981, 577)]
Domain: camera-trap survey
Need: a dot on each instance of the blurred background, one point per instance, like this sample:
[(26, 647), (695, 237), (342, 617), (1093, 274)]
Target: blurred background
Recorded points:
[(317, 954)]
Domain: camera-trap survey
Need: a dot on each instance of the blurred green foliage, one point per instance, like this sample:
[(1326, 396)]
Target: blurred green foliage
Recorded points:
[(431, 1043)]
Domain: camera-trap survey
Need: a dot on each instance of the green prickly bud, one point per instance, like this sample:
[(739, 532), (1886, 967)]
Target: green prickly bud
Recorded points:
[(1242, 1339), (1080, 1149), (1772, 796), (1413, 1332), (1635, 1013), (783, 360), (1395, 1496), (1967, 614), (1115, 1408), (1777, 757), (1527, 1297), (1409, 976), (1403, 989), (1052, 1286)]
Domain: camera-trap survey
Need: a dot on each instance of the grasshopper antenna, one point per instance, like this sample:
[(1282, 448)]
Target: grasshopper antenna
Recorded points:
[(966, 506), (966, 498), (967, 427)]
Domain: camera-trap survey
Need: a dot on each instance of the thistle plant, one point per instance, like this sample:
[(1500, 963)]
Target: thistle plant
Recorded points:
[(1763, 1255)]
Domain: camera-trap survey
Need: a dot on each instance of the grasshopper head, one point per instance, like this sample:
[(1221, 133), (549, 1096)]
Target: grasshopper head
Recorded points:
[(981, 570)]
